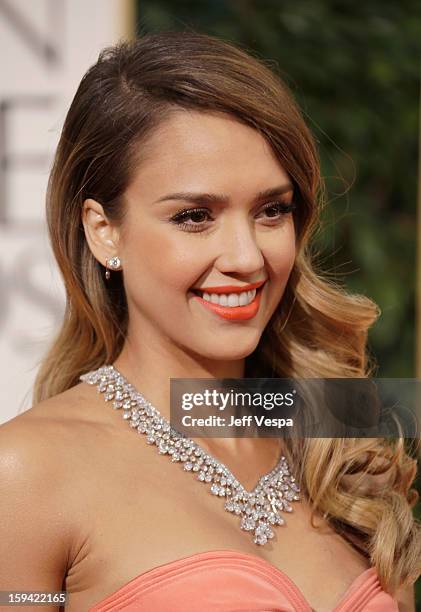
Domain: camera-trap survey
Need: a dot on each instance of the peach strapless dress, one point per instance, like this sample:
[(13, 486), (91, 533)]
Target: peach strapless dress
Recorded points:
[(231, 581)]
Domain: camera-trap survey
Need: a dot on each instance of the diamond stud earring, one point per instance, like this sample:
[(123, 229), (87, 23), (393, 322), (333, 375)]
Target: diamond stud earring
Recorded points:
[(113, 263)]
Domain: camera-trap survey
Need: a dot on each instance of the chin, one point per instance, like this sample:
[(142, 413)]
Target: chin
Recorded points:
[(228, 352)]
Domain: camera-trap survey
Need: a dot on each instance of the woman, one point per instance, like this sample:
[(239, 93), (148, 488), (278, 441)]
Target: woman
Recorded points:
[(184, 165)]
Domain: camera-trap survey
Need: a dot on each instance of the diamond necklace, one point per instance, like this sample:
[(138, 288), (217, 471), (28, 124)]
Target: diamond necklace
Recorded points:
[(259, 509)]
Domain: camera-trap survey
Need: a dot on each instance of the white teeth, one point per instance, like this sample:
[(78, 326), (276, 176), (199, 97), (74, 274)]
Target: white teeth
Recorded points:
[(244, 298), (231, 299)]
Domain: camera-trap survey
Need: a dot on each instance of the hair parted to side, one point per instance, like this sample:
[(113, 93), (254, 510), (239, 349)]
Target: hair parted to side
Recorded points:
[(362, 486)]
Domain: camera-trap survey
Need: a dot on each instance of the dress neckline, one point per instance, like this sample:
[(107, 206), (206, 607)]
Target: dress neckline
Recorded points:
[(273, 571)]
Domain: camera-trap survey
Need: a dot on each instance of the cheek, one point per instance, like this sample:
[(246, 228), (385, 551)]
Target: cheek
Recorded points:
[(159, 259), (280, 254), (285, 262)]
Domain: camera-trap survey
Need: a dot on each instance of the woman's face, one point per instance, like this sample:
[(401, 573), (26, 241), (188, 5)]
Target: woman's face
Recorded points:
[(217, 166)]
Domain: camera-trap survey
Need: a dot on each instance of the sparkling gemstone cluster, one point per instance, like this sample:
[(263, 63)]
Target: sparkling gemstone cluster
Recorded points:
[(259, 510)]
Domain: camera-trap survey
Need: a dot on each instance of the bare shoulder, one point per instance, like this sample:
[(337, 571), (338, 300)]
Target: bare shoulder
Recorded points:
[(27, 433), (56, 417), (40, 445), (58, 443), (34, 445), (405, 597), (38, 520)]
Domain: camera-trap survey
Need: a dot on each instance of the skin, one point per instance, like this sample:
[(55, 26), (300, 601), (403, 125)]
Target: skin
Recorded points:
[(180, 338), (203, 153), (101, 520)]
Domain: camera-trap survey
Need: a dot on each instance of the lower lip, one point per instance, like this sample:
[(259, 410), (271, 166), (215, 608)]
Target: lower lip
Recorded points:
[(234, 313)]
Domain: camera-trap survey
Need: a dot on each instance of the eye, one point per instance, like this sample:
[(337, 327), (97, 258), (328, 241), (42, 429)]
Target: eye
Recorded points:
[(274, 210), (194, 214), (279, 209)]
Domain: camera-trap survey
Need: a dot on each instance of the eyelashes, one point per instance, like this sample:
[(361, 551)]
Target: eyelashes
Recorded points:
[(280, 208)]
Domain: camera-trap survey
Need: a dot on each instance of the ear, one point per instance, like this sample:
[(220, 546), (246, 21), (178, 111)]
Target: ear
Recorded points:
[(101, 236)]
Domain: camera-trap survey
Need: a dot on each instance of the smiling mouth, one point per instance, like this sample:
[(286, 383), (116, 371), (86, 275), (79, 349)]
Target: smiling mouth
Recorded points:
[(251, 296), (231, 313)]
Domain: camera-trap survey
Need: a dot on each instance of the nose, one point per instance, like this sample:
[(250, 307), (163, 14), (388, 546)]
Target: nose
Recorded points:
[(239, 250)]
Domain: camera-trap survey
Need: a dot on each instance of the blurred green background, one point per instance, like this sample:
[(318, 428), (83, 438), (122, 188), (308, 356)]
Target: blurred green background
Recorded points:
[(355, 70)]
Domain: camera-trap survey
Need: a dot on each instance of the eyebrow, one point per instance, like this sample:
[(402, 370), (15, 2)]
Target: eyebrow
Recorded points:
[(214, 198)]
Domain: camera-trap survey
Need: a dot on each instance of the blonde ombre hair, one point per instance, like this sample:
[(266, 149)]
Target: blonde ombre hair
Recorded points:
[(361, 486)]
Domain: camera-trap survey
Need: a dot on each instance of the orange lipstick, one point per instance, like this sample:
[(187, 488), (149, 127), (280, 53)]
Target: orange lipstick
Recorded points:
[(231, 288), (234, 313)]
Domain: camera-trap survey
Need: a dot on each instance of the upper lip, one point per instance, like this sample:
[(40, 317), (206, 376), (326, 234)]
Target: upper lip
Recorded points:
[(230, 288)]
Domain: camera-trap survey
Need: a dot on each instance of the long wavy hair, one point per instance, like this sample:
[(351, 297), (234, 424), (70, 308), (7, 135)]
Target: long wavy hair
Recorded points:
[(361, 486)]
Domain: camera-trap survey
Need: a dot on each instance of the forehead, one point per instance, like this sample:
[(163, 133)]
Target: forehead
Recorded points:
[(194, 150)]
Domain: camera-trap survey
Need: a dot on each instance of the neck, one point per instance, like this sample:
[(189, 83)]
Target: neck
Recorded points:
[(150, 371)]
